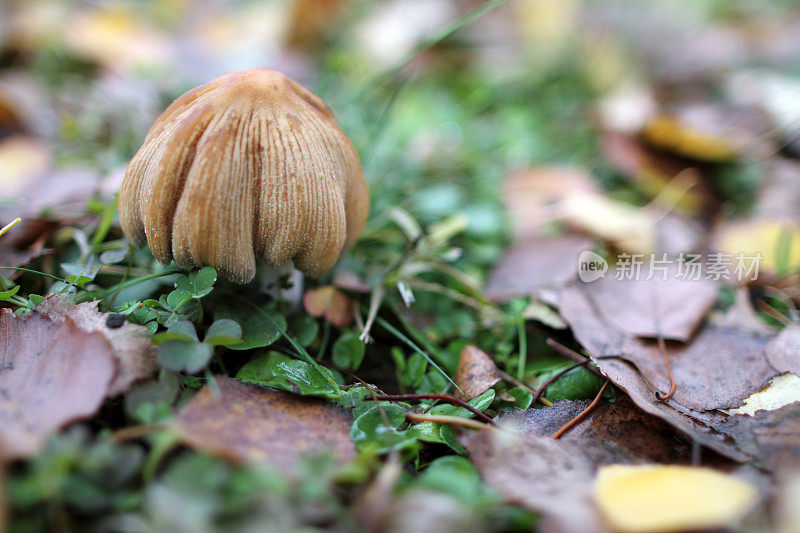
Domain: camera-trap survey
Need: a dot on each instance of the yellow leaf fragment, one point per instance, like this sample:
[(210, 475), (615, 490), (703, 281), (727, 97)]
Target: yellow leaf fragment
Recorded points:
[(782, 390), (671, 134), (778, 242), (659, 498)]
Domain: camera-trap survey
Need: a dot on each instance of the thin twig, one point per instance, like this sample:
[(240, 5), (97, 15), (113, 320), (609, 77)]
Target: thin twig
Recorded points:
[(572, 354), (542, 400), (774, 313), (566, 427), (447, 419), (554, 378), (662, 347), (443, 397)]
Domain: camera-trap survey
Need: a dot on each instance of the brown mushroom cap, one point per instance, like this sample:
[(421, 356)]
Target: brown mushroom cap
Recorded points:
[(250, 165)]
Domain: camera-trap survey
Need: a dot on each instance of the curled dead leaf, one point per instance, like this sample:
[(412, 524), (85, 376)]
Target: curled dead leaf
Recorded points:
[(476, 373)]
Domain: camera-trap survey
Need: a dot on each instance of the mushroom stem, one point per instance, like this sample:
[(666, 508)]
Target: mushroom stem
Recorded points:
[(271, 281)]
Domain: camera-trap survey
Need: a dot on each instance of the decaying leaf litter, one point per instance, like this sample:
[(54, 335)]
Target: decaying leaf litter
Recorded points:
[(501, 388)]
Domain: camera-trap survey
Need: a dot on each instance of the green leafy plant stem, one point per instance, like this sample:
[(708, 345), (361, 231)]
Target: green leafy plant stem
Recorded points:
[(304, 355)]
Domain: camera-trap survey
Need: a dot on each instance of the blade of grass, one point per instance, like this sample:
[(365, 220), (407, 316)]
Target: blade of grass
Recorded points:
[(130, 283), (523, 348), (397, 333), (34, 272), (105, 225)]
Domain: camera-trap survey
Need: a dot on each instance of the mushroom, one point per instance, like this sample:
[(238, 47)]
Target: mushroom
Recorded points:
[(251, 165)]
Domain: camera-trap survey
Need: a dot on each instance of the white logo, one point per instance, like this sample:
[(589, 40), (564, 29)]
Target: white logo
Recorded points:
[(591, 266)]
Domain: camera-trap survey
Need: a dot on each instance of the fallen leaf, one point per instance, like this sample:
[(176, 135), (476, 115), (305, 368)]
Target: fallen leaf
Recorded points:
[(663, 306), (782, 390), (783, 352), (44, 200), (331, 303), (244, 423), (771, 238), (476, 373), (771, 438), (133, 351), (534, 264), (717, 369), (555, 477), (788, 508), (664, 498), (51, 374)]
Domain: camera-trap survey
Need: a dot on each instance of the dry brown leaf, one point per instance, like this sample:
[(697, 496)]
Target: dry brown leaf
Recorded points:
[(717, 369), (699, 425), (720, 368), (783, 352), (476, 373), (554, 477), (771, 437), (331, 303), (664, 306), (50, 375), (134, 353), (244, 423), (782, 390), (535, 264)]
